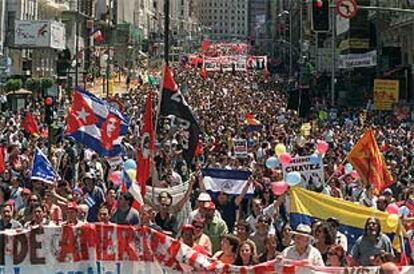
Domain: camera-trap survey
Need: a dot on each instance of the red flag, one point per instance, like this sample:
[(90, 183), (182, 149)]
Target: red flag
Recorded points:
[(203, 73), (367, 159), (146, 147), (205, 45), (29, 124), (266, 72), (2, 163)]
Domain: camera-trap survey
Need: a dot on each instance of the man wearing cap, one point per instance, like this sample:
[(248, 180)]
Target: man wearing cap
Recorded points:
[(72, 214), (203, 197), (94, 197), (389, 196), (187, 237), (302, 248), (215, 227)]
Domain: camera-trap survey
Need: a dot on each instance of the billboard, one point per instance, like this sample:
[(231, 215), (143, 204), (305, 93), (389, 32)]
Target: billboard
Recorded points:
[(358, 60), (386, 93), (40, 34)]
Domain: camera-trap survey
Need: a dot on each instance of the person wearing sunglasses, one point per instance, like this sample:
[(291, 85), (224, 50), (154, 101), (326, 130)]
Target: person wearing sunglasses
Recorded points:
[(262, 231), (336, 256), (200, 238)]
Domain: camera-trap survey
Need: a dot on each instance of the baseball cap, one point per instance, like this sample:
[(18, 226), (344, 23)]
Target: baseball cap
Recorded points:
[(209, 205), (26, 191), (387, 191), (204, 197), (72, 205), (77, 190), (186, 227)]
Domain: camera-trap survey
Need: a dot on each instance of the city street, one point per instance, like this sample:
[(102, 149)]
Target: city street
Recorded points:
[(206, 136)]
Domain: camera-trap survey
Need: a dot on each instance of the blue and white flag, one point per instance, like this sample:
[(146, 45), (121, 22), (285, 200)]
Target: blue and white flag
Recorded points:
[(89, 201), (228, 181), (42, 169)]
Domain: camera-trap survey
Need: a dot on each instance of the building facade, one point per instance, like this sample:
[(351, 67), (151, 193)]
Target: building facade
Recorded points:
[(224, 19), (21, 59)]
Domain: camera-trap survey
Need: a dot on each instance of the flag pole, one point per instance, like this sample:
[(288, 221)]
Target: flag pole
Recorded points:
[(166, 60), (333, 174)]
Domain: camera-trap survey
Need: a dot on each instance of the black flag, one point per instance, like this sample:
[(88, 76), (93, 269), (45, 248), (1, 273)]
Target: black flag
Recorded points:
[(175, 110)]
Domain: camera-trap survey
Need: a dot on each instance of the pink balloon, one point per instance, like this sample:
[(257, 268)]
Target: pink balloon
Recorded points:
[(354, 174), (285, 158), (392, 209), (322, 146), (115, 178), (279, 188)]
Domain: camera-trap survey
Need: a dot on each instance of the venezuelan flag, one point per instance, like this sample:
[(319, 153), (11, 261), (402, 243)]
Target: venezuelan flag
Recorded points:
[(307, 206), (252, 124)]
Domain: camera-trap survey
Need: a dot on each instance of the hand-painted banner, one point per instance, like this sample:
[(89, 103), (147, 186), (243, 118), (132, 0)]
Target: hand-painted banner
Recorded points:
[(112, 249), (235, 62), (310, 169)]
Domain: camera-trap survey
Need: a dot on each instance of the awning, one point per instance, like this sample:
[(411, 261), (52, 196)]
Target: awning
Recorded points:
[(21, 91), (142, 53), (394, 70)]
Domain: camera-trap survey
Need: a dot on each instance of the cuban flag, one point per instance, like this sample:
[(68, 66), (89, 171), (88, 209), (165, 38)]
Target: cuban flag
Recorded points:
[(42, 169), (96, 124), (228, 181), (89, 201)]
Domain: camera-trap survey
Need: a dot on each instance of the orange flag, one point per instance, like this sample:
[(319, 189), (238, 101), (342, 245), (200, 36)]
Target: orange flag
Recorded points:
[(367, 159)]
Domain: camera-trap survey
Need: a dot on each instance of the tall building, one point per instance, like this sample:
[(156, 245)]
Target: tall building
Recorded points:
[(395, 46), (224, 19), (19, 10), (2, 25), (258, 17)]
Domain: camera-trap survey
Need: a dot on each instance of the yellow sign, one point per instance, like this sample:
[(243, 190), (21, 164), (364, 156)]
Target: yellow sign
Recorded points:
[(354, 43), (386, 93)]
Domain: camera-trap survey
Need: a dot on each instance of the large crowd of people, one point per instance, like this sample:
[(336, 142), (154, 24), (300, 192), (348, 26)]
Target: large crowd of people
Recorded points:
[(233, 229)]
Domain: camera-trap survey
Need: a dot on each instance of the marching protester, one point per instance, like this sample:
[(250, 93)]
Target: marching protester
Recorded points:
[(230, 169)]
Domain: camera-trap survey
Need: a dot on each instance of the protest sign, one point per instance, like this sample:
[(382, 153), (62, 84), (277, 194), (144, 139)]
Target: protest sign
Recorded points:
[(310, 170), (240, 148), (386, 93)]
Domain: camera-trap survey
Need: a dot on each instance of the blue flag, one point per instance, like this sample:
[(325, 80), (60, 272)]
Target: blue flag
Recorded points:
[(42, 169)]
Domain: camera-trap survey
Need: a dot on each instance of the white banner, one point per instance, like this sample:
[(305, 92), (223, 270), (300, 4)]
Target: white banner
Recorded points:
[(212, 63), (368, 59), (40, 34), (310, 170), (112, 249), (256, 62)]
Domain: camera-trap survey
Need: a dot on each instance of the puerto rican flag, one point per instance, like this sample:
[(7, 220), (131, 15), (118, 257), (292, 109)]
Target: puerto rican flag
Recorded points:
[(96, 124)]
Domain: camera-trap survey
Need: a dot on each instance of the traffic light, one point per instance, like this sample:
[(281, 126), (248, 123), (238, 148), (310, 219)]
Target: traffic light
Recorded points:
[(49, 116), (320, 15)]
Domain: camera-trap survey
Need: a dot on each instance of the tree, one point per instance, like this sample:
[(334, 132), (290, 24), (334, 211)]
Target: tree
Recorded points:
[(33, 85), (46, 83), (13, 84)]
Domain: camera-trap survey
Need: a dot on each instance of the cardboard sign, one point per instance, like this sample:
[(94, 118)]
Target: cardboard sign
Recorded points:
[(240, 148), (311, 173)]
